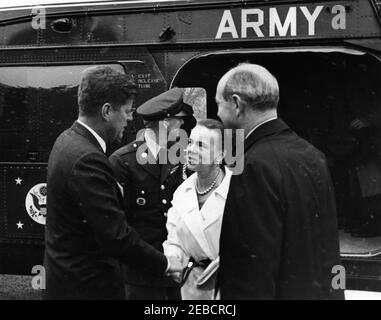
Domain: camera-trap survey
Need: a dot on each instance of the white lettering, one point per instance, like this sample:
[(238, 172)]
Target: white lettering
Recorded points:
[(38, 281), (275, 23), (156, 310), (39, 20), (253, 24), (311, 18), (338, 281), (339, 21), (227, 26)]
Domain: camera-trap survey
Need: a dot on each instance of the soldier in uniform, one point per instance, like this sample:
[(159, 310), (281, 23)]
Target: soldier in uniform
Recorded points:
[(148, 186)]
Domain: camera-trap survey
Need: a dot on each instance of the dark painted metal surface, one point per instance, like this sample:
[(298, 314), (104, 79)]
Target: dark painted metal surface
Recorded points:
[(195, 23), (363, 273), (128, 35)]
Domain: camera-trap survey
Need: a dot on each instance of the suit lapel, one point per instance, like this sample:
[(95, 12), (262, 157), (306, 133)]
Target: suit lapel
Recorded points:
[(193, 223), (188, 208), (80, 129), (212, 210)]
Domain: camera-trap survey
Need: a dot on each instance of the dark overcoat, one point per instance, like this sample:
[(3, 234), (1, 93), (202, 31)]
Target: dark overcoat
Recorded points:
[(86, 231), (279, 237)]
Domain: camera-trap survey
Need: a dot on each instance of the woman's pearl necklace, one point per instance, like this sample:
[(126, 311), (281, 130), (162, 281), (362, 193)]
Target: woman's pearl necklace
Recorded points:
[(211, 186)]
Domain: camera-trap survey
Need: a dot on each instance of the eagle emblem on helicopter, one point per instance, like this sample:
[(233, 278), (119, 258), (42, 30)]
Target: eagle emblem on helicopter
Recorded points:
[(35, 203)]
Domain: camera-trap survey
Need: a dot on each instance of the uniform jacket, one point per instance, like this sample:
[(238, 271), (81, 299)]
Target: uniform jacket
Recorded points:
[(279, 237), (148, 190), (195, 232), (86, 230)]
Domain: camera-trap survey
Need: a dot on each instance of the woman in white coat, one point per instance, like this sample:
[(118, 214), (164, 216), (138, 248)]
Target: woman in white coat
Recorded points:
[(194, 221)]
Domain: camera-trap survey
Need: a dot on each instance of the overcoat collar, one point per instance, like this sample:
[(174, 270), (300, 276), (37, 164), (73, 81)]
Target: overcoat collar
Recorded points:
[(270, 128)]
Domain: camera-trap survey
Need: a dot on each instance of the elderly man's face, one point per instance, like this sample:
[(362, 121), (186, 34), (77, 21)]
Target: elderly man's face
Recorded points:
[(226, 109)]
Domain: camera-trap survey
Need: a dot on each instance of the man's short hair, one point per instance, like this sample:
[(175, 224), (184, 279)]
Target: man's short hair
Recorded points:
[(213, 124), (102, 84), (254, 84)]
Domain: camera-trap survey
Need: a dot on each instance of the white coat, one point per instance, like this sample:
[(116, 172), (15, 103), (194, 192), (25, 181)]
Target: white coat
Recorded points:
[(195, 233)]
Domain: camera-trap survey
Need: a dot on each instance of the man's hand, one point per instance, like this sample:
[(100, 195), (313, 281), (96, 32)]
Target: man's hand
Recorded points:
[(177, 276), (174, 265)]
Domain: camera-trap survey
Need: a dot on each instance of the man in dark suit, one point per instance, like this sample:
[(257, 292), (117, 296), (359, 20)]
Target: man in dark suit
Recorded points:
[(149, 183), (279, 237), (86, 232)]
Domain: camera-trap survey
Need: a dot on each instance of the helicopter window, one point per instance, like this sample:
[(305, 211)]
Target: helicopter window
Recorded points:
[(332, 98), (37, 103)]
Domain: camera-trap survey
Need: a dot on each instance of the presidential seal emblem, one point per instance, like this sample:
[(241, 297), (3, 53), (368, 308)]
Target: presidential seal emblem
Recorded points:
[(35, 203)]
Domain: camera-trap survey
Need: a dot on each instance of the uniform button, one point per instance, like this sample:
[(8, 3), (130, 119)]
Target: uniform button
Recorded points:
[(165, 214), (164, 201), (143, 192), (162, 187)]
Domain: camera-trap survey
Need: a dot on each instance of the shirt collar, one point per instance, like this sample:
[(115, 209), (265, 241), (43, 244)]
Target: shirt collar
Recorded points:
[(150, 138), (258, 125), (96, 135)]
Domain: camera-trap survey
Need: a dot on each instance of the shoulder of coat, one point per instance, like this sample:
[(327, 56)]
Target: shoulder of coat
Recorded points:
[(132, 147)]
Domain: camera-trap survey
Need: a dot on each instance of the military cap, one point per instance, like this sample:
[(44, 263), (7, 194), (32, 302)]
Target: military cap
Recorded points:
[(168, 104)]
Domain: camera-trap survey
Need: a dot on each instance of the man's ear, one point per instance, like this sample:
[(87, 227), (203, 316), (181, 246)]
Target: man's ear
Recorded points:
[(105, 111), (238, 104)]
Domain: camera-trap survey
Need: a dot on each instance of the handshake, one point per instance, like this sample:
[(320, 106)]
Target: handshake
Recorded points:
[(175, 268)]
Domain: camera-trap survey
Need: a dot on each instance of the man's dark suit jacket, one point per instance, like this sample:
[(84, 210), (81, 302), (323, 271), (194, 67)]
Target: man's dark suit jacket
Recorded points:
[(279, 237), (86, 232)]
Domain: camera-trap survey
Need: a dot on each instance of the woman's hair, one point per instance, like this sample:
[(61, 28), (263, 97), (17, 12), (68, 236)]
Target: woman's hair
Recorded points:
[(213, 124)]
